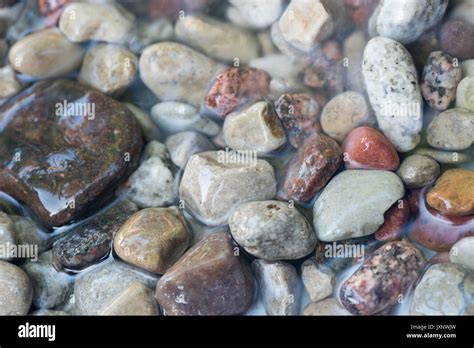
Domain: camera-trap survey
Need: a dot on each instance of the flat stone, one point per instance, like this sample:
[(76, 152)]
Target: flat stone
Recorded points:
[(418, 171), (214, 183), (278, 282), (452, 129), (271, 230), (210, 279), (369, 194), (136, 299), (328, 306), (16, 290), (318, 279), (82, 156), (91, 241), (388, 273), (153, 239), (463, 253), (95, 289), (444, 289)]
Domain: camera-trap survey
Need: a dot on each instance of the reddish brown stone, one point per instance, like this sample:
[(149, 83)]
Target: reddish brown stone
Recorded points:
[(311, 168), (385, 275), (209, 279), (326, 70), (456, 39), (367, 148), (394, 221), (360, 10), (298, 112), (235, 88), (442, 257), (63, 166), (436, 231)]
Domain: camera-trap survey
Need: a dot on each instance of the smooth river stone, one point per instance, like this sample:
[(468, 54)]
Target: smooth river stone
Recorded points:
[(444, 289), (354, 202), (174, 72), (214, 184), (185, 144), (453, 193), (395, 220), (137, 299), (278, 282), (465, 94), (45, 54), (452, 129), (392, 85), (328, 306), (7, 235), (220, 40), (367, 148), (405, 21), (385, 275), (91, 240), (9, 84), (210, 279), (311, 168), (444, 157), (254, 15), (272, 230), (153, 239), (318, 279), (96, 288), (463, 253), (16, 290), (68, 163), (455, 37), (418, 171)]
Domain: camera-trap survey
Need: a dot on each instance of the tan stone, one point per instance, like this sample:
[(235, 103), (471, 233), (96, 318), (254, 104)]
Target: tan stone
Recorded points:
[(329, 306), (137, 299)]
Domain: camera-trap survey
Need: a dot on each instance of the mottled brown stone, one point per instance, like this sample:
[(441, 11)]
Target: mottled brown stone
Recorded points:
[(394, 221)]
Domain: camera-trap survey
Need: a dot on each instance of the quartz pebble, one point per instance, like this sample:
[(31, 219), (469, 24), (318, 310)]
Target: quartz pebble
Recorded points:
[(305, 23), (136, 299), (311, 168), (257, 128), (9, 84), (463, 253), (7, 235), (439, 80), (298, 113), (58, 55), (345, 112), (366, 148), (418, 171), (210, 279), (385, 275), (175, 117), (455, 38), (175, 72), (369, 194), (318, 279), (16, 290), (406, 21), (149, 129), (254, 14), (96, 288), (392, 85), (444, 289), (222, 41), (453, 193), (50, 286), (271, 230), (214, 183), (453, 129), (465, 94), (108, 68), (278, 282), (153, 239), (185, 144), (99, 21), (328, 306), (235, 88)]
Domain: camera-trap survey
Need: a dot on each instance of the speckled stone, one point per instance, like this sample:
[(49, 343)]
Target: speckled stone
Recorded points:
[(271, 230), (418, 171), (136, 299), (385, 275), (278, 283), (453, 129), (318, 279), (16, 290), (463, 252)]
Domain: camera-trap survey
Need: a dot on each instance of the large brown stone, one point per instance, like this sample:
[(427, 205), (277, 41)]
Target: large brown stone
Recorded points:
[(61, 165), (210, 279)]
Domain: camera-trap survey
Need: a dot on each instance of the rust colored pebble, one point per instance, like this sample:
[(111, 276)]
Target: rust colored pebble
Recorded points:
[(367, 148), (234, 88), (395, 219)]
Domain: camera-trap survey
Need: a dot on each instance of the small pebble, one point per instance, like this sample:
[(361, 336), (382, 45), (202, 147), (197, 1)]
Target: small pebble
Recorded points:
[(16, 290), (455, 38), (328, 306), (150, 32), (444, 157), (463, 253), (465, 94), (136, 299), (149, 129), (185, 144), (395, 220), (254, 14), (318, 279), (156, 149), (7, 235), (353, 50), (467, 68), (452, 129), (9, 84), (417, 171)]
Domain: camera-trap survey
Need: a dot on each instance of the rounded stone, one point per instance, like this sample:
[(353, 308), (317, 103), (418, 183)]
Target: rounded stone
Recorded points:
[(7, 235), (318, 279), (463, 252), (9, 84), (328, 306), (418, 171), (255, 15), (271, 230), (455, 38), (185, 144), (16, 290), (465, 94), (395, 220), (136, 299), (453, 129)]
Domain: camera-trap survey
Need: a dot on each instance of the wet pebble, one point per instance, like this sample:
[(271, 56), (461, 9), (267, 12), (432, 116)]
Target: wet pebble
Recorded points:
[(318, 279), (465, 94), (150, 32), (153, 239), (328, 306), (383, 277), (272, 230), (278, 282), (256, 128), (455, 38), (395, 220), (210, 279), (9, 84), (16, 290), (149, 129), (7, 235), (214, 183), (444, 157), (28, 232), (254, 15), (366, 148), (463, 252), (444, 289), (417, 171), (136, 299), (453, 129), (368, 193), (185, 144), (353, 49)]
